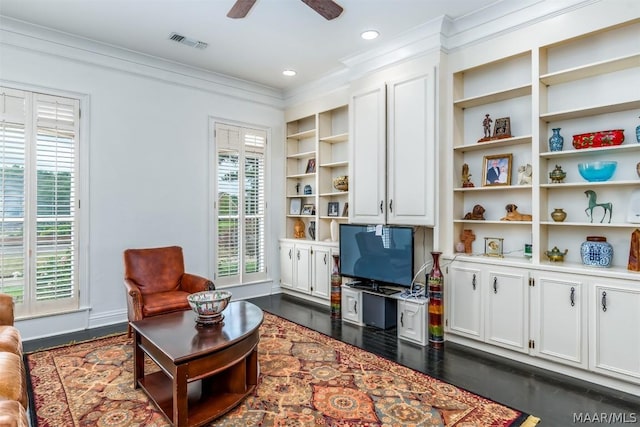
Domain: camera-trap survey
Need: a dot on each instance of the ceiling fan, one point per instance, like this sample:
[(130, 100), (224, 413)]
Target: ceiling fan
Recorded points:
[(327, 8)]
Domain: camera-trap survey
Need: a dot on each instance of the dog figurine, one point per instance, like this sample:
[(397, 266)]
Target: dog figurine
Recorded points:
[(514, 215), (477, 213), (524, 174)]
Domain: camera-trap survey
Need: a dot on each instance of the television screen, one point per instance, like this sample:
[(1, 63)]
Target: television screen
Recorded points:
[(377, 253)]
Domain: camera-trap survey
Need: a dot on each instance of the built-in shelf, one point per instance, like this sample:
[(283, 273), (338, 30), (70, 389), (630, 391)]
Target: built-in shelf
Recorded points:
[(504, 142), (591, 184), (301, 175), (335, 164), (590, 70), (493, 188), (335, 138), (590, 111), (591, 151), (306, 154), (487, 221), (591, 224), (492, 97), (303, 134), (335, 194)]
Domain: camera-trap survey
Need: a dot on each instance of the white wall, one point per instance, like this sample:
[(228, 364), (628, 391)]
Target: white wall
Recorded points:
[(149, 165)]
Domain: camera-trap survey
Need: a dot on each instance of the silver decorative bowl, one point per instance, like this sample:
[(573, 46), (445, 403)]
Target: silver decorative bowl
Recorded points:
[(209, 305)]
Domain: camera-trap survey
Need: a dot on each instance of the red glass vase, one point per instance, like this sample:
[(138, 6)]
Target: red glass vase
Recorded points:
[(336, 289), (436, 303)]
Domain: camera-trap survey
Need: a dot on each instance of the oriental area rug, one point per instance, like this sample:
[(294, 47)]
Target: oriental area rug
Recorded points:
[(306, 379)]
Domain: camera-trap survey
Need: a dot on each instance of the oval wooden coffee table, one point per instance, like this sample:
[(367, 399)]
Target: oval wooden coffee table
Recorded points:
[(205, 371)]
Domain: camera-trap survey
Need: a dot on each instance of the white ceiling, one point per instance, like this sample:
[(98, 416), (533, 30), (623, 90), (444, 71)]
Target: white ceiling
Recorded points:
[(276, 34)]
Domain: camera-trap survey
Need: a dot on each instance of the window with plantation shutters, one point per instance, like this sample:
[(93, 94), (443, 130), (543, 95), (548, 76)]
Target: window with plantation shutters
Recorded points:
[(38, 215), (240, 205)]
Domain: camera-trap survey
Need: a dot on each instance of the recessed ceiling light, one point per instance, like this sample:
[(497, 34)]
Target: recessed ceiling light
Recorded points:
[(369, 34), (289, 73)]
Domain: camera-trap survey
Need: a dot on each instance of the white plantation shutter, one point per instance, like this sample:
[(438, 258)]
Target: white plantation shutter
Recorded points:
[(240, 205), (12, 199), (55, 156), (38, 157)]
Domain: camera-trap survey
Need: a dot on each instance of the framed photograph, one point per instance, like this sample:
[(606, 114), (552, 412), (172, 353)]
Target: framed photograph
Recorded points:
[(296, 206), (493, 246), (496, 170), (502, 128), (308, 209), (345, 209), (311, 166), (333, 208)]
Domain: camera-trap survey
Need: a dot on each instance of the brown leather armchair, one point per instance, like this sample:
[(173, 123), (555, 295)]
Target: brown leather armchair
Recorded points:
[(156, 282)]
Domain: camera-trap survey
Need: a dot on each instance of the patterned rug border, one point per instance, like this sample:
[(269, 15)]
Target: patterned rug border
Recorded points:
[(524, 420)]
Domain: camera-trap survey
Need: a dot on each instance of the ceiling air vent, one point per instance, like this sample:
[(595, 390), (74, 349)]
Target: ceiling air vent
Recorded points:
[(187, 41)]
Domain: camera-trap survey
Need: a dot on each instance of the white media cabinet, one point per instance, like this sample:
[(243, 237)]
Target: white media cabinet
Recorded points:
[(411, 311)]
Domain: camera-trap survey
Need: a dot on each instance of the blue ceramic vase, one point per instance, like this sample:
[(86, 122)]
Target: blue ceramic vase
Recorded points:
[(638, 133), (556, 141), (596, 252)]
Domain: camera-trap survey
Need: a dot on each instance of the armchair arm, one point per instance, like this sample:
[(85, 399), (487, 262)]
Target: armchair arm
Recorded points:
[(192, 283), (134, 300), (6, 310)]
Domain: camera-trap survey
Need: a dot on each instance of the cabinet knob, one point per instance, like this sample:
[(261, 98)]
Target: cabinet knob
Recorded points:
[(298, 255), (495, 285), (355, 307), (289, 253), (604, 301), (381, 206), (473, 281), (402, 319), (325, 259), (572, 296), (391, 205)]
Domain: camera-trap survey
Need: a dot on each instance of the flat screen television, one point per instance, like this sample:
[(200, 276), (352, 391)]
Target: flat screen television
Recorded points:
[(377, 255)]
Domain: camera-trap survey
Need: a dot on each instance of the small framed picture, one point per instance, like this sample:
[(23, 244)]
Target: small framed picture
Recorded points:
[(296, 206), (333, 208), (502, 128), (497, 170), (308, 209), (311, 166), (493, 246), (345, 209)]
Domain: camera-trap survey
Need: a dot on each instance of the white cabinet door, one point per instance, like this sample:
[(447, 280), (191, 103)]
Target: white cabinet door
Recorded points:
[(558, 319), (615, 329), (352, 305), (320, 284), (367, 160), (507, 315), (464, 294), (302, 270), (412, 321), (411, 151), (287, 255)]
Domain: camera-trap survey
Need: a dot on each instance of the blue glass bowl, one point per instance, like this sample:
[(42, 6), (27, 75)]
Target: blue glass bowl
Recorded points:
[(597, 171)]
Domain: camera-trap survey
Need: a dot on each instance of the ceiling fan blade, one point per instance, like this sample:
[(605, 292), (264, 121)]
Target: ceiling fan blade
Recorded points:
[(327, 8), (240, 9)]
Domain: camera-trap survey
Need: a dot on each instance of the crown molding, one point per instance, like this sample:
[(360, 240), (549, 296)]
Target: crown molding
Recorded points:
[(441, 34), (23, 35)]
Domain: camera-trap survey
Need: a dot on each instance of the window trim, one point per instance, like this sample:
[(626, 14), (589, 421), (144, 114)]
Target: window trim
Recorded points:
[(213, 198), (82, 194)]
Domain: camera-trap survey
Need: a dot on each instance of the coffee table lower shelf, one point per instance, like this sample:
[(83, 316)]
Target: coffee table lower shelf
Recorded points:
[(203, 407)]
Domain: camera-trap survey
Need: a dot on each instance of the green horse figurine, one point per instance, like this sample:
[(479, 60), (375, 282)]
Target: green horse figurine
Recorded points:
[(608, 207)]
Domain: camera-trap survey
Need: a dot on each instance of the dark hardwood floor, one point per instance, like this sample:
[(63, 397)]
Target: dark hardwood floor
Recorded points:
[(552, 397)]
